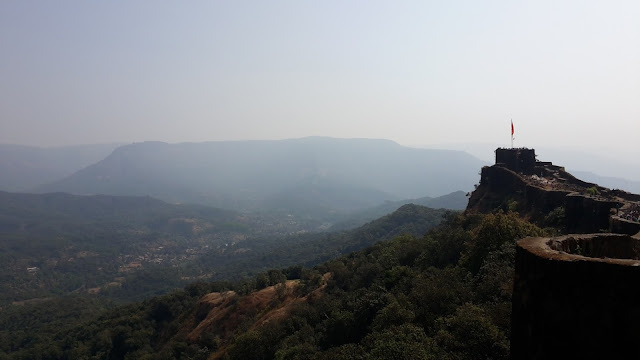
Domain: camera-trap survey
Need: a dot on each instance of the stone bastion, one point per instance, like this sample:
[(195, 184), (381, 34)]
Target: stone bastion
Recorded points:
[(577, 297)]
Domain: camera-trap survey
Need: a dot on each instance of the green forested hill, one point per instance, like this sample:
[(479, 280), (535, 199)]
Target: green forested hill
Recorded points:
[(35, 212), (454, 201), (262, 253), (134, 247), (444, 295), (52, 244)]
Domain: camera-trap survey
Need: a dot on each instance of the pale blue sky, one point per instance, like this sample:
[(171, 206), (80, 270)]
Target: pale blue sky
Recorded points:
[(417, 72)]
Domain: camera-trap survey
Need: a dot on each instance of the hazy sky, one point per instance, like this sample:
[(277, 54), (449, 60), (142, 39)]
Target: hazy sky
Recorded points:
[(417, 72)]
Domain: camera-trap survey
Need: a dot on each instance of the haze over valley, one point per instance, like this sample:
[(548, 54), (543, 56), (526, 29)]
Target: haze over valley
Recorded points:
[(98, 219), (302, 180), (267, 174)]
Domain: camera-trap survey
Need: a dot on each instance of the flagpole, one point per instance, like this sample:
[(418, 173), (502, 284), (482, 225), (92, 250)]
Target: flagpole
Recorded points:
[(512, 133)]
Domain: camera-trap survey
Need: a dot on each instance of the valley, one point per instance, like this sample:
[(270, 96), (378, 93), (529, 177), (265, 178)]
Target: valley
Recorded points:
[(129, 248), (319, 180), (136, 277)]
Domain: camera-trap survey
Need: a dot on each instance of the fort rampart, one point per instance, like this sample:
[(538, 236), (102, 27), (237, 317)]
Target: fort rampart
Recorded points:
[(575, 297), (519, 182)]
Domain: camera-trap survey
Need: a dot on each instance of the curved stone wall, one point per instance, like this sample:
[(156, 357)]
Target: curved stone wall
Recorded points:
[(577, 297), (622, 226)]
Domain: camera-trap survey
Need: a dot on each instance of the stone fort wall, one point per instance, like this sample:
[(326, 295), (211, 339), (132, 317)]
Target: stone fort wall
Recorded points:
[(504, 182), (575, 297), (520, 160)]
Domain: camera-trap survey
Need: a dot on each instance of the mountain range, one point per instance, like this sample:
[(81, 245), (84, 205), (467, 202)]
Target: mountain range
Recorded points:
[(313, 174), (394, 288), (23, 168)]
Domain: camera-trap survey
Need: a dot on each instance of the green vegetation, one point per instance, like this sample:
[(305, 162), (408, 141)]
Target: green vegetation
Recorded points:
[(132, 248), (454, 201), (593, 191), (556, 218), (56, 244), (444, 295), (309, 249)]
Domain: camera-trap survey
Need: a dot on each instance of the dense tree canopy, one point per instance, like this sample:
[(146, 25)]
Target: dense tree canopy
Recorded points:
[(444, 295)]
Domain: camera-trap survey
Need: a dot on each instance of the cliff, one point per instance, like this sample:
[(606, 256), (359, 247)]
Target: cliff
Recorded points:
[(571, 294), (547, 195)]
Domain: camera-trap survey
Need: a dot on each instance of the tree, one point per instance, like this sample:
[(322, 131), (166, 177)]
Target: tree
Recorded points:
[(469, 334), (493, 232)]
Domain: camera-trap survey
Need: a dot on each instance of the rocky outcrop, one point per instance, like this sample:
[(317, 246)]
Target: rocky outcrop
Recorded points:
[(223, 315), (502, 188), (535, 189)]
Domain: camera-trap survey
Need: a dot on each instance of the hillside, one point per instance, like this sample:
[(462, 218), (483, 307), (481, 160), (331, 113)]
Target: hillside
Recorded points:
[(23, 168), (325, 196), (53, 244), (253, 257), (270, 175), (257, 254), (133, 247), (455, 201), (389, 289), (444, 295)]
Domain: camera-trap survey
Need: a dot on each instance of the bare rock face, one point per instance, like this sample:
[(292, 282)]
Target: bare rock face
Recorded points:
[(575, 297)]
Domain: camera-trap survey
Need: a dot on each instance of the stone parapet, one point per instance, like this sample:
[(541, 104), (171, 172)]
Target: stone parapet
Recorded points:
[(575, 297)]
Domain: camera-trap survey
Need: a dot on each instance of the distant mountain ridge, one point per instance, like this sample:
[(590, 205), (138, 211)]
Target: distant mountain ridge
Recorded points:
[(98, 208), (251, 174), (455, 201), (23, 168)]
